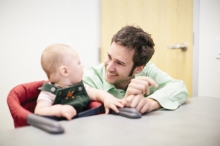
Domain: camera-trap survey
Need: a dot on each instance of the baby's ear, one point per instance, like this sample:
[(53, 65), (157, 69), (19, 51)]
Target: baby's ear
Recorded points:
[(64, 71)]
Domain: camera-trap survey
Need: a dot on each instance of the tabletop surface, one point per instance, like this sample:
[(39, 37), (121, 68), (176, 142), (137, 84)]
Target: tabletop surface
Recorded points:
[(196, 123)]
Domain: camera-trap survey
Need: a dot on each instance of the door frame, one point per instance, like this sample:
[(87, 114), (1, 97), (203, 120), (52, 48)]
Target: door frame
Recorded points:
[(195, 63)]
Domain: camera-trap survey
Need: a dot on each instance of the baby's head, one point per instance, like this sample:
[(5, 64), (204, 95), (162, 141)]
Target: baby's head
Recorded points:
[(62, 65)]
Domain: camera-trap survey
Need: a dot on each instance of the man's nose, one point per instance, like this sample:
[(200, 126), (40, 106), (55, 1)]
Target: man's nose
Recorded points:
[(110, 66)]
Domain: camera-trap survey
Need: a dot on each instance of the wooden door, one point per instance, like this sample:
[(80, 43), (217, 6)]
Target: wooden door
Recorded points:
[(170, 22)]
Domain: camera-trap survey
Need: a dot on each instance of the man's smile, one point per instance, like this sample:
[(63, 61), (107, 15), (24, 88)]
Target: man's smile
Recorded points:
[(111, 74)]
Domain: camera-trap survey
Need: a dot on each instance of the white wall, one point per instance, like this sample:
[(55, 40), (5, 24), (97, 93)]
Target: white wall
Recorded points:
[(209, 66), (28, 26)]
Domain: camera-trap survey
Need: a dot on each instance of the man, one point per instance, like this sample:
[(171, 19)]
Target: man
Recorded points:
[(127, 73)]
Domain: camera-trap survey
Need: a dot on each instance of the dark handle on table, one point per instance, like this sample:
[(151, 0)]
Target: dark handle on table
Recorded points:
[(45, 124), (128, 112)]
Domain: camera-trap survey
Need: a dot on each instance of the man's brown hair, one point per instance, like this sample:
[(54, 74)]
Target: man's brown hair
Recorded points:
[(134, 38)]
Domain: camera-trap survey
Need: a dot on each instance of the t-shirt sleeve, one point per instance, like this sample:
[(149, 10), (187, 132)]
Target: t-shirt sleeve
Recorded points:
[(86, 87), (44, 95)]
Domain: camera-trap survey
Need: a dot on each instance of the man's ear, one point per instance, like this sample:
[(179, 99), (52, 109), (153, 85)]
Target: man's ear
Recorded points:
[(64, 71), (138, 69)]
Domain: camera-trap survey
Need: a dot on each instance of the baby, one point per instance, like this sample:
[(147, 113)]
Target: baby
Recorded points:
[(65, 95)]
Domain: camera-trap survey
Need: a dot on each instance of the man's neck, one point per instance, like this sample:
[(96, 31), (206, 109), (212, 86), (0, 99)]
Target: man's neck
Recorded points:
[(123, 85)]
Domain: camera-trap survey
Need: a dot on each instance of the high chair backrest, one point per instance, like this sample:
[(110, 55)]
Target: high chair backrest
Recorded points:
[(22, 101)]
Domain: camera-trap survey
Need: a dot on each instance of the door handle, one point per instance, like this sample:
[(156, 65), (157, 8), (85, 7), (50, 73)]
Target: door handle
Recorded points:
[(183, 47)]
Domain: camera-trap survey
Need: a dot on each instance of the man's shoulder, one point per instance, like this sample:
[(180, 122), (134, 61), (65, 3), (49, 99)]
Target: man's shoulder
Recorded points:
[(94, 70), (149, 64), (145, 71), (93, 76)]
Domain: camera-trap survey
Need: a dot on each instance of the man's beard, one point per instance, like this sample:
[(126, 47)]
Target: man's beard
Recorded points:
[(132, 71)]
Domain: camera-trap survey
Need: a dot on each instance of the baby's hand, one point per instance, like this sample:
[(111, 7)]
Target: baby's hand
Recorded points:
[(111, 102), (68, 112)]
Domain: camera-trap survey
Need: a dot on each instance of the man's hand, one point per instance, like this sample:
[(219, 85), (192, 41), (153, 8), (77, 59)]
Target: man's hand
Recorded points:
[(141, 103), (140, 85), (67, 111)]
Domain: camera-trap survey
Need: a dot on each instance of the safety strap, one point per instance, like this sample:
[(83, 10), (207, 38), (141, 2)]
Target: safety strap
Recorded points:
[(49, 88), (90, 112)]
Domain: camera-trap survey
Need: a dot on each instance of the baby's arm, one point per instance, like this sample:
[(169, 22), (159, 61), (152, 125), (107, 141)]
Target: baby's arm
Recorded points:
[(110, 102), (45, 108)]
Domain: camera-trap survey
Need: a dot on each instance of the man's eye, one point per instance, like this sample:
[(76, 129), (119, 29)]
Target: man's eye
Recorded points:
[(119, 63)]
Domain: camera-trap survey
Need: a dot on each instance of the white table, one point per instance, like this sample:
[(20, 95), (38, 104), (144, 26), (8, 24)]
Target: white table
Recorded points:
[(196, 123)]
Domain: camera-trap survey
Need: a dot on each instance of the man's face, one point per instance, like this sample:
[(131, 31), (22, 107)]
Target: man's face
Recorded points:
[(118, 65)]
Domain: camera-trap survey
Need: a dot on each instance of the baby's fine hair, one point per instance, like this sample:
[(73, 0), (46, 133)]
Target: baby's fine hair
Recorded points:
[(54, 56)]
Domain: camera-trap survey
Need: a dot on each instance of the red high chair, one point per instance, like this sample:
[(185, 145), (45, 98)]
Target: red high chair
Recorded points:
[(22, 101)]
